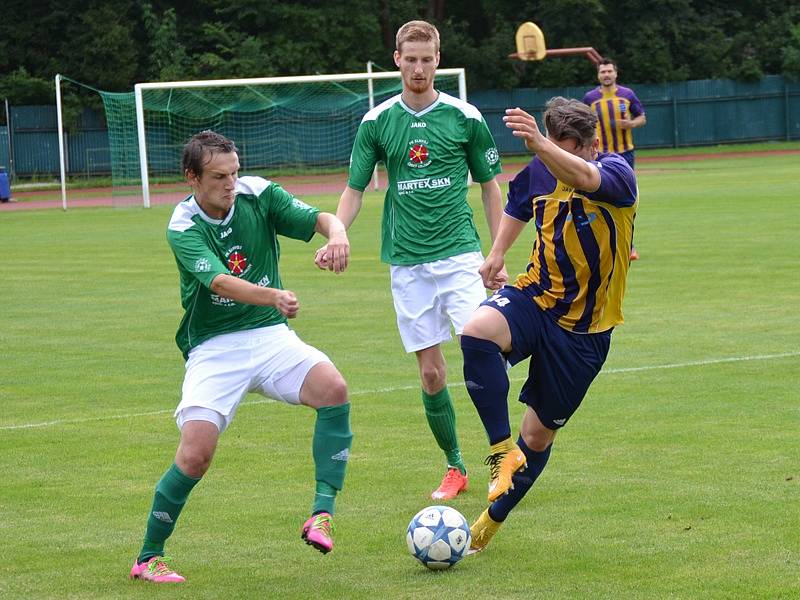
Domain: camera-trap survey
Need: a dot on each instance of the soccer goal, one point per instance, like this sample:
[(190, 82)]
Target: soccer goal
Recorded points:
[(286, 124)]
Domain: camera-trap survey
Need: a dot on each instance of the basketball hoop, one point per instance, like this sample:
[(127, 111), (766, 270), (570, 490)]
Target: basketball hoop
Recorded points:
[(531, 46)]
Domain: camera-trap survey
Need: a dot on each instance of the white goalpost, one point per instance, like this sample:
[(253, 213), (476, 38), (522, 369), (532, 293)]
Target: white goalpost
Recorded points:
[(179, 104)]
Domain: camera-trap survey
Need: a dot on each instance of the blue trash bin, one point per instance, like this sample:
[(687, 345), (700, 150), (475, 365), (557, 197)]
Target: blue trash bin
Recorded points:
[(5, 186)]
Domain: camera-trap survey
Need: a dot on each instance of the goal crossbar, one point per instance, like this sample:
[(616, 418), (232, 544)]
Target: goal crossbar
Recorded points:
[(139, 88)]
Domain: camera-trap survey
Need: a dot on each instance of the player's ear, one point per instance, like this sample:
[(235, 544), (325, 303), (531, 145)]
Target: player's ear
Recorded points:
[(396, 58)]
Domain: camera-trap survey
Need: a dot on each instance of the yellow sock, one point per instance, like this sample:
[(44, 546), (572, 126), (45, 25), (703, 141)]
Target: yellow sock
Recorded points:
[(502, 446)]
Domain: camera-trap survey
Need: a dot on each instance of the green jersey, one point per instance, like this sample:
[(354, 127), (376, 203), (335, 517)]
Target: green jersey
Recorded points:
[(245, 245), (428, 156)]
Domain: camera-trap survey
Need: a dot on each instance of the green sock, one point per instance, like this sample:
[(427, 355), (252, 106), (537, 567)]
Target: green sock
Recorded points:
[(442, 421), (331, 450), (172, 490)]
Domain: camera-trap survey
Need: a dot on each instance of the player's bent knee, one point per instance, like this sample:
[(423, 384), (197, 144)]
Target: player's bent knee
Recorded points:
[(538, 441), (433, 379), (324, 386), (335, 391)]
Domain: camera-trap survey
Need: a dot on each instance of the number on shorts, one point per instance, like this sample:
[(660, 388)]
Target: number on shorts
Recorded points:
[(499, 300)]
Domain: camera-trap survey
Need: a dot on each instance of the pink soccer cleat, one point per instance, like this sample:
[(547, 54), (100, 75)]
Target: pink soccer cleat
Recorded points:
[(155, 570), (317, 532), (452, 485)]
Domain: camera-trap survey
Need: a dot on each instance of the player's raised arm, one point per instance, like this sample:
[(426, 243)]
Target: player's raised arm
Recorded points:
[(566, 166)]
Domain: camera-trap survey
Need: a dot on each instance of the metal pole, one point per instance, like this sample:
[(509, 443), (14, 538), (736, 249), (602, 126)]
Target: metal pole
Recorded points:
[(674, 121), (61, 144), (371, 106), (12, 174), (137, 93), (787, 121)]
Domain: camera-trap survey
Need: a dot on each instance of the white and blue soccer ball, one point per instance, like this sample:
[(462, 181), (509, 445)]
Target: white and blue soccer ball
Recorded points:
[(438, 537)]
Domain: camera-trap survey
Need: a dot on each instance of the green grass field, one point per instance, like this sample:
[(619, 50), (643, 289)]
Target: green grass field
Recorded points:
[(679, 477)]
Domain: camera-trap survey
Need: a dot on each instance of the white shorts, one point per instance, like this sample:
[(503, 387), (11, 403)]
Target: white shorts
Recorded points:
[(431, 296), (271, 361)]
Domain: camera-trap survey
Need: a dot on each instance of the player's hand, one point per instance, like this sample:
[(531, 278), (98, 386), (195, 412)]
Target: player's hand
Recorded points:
[(338, 251), (624, 124), (322, 259), (500, 279), (493, 272), (287, 303), (335, 255), (524, 126)]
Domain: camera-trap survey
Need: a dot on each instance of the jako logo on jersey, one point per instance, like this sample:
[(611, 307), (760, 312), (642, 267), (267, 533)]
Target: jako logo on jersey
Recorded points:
[(418, 155), (226, 233), (418, 124)]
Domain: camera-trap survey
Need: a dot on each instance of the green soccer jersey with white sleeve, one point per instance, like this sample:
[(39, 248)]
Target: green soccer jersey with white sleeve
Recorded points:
[(245, 245), (428, 157)]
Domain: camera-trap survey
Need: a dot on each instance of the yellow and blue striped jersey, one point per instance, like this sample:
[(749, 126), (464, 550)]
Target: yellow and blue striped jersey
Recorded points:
[(610, 106), (580, 257)]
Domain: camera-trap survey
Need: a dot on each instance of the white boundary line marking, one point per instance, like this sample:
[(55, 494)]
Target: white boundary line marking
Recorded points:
[(698, 363)]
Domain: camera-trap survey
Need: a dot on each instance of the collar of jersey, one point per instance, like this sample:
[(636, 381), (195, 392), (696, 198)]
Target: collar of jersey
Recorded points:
[(425, 110), (211, 220)]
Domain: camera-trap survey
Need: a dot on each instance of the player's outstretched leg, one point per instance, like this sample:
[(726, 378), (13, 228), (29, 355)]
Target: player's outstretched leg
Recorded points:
[(169, 499), (490, 520), (441, 418), (331, 450)]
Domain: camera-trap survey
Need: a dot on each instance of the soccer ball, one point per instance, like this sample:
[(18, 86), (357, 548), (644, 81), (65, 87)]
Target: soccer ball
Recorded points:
[(438, 537)]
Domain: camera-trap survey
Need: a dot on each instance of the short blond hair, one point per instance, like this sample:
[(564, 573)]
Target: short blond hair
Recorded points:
[(417, 31)]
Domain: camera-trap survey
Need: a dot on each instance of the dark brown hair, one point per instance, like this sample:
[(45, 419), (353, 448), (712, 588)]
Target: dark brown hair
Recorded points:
[(570, 119), (200, 149), (607, 61)]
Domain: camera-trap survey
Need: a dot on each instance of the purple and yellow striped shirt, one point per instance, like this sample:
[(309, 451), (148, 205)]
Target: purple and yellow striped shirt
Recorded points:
[(580, 257), (620, 103)]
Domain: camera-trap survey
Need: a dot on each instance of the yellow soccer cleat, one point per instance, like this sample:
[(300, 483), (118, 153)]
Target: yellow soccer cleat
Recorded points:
[(502, 466), (482, 531)]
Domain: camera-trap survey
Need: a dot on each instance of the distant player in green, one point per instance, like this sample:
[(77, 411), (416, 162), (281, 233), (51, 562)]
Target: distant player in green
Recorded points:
[(429, 142), (235, 339)]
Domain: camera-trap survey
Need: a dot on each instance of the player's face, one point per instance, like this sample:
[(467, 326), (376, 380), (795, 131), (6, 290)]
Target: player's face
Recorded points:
[(213, 190), (417, 62), (607, 75)]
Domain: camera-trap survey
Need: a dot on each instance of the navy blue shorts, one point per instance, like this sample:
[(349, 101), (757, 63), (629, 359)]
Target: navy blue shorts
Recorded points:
[(563, 364)]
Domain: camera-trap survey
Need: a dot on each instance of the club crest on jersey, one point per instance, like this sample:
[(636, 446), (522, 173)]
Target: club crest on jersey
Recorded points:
[(418, 155), (237, 261), (492, 156)]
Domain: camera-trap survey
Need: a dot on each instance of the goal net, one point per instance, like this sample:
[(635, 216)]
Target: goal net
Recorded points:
[(279, 124)]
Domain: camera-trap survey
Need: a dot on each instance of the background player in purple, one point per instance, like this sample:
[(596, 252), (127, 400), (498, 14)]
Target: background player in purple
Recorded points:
[(561, 311), (619, 111)]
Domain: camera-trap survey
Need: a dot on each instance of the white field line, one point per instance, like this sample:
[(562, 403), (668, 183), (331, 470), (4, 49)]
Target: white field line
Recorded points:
[(399, 388)]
